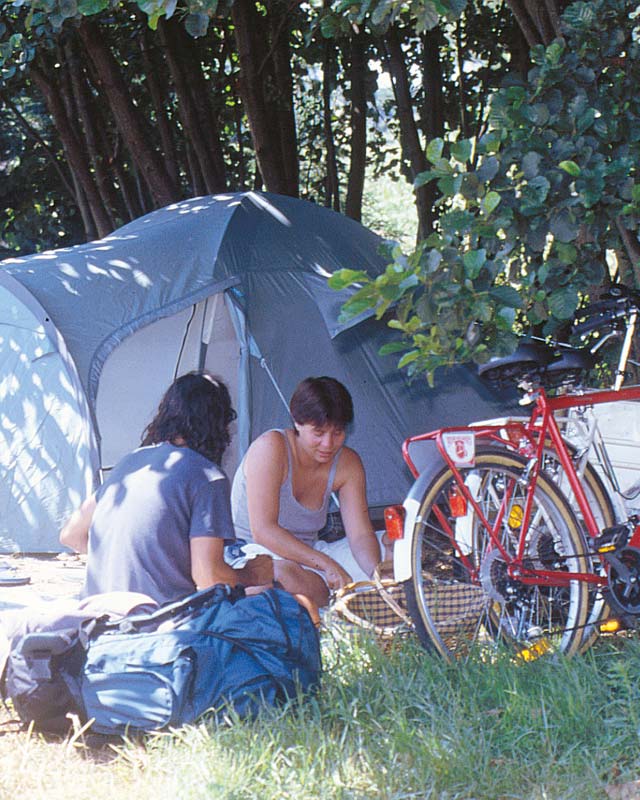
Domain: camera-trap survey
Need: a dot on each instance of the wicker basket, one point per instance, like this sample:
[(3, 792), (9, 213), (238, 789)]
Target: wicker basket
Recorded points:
[(379, 606)]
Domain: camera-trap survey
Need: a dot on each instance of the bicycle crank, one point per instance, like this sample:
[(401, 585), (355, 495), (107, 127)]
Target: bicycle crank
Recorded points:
[(623, 592)]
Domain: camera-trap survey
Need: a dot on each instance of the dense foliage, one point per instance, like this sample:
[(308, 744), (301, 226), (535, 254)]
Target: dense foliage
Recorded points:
[(534, 209), (515, 122)]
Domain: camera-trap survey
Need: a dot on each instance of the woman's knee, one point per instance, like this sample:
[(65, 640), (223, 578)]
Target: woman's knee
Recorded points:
[(298, 580)]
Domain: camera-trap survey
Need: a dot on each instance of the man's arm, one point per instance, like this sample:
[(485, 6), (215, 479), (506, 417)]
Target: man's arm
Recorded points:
[(208, 566), (75, 533)]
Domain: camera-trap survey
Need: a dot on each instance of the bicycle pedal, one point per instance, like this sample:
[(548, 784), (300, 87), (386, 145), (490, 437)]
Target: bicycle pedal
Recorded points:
[(611, 539)]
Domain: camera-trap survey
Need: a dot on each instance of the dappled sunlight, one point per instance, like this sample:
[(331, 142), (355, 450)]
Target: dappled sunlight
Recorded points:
[(45, 441), (265, 205), (69, 270)]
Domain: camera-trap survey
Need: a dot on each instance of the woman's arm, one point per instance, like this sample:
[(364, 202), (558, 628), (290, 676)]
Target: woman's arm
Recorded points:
[(75, 533), (265, 469), (350, 483)]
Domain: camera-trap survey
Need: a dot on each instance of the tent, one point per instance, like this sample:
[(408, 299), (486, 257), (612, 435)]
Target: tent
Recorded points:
[(91, 336)]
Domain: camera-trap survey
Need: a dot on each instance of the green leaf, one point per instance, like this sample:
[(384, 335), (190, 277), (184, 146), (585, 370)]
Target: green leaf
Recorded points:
[(488, 169), (450, 185), (407, 358), (68, 8), (434, 150), (427, 16), (197, 25), (506, 296), (423, 178), (89, 7), (461, 151), (570, 167), (563, 303), (563, 226), (392, 347), (345, 277), (531, 164), (490, 202), (473, 261)]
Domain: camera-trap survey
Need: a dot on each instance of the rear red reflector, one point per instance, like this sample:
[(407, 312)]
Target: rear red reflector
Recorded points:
[(457, 503), (394, 522)]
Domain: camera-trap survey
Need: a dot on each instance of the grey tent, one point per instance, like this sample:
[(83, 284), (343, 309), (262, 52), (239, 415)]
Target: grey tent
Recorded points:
[(90, 336)]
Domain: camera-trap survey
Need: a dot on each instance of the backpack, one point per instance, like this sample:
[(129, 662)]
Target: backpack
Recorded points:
[(217, 649)]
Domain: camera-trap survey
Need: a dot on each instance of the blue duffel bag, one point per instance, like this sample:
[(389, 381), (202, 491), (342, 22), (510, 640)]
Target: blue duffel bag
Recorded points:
[(217, 649)]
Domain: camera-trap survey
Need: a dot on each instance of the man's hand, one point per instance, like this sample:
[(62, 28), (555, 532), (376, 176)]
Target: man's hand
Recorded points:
[(257, 572)]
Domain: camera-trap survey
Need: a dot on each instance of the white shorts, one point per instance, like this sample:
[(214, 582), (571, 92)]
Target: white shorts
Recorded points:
[(238, 555)]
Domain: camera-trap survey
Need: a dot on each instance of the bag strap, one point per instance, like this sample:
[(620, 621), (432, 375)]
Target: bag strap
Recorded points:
[(172, 611)]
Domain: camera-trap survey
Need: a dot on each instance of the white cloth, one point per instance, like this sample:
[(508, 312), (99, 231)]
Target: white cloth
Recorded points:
[(339, 551)]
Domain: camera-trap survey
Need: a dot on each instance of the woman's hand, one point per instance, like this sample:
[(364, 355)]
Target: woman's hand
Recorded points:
[(335, 576)]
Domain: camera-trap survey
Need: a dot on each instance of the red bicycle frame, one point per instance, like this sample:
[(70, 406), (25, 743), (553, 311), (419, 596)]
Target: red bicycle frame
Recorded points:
[(529, 438)]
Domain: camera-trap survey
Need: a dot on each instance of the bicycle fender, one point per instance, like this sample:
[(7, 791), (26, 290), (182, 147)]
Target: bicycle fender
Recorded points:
[(433, 463)]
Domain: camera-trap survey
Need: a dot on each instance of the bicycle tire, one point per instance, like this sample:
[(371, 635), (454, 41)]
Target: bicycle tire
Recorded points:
[(458, 610), (605, 515)]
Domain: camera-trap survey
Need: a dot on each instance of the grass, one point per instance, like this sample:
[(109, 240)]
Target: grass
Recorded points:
[(397, 726)]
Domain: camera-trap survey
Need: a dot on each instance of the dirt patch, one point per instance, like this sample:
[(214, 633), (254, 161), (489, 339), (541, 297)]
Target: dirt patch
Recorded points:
[(50, 576)]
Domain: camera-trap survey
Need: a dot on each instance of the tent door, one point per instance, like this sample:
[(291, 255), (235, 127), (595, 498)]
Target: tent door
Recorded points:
[(140, 369)]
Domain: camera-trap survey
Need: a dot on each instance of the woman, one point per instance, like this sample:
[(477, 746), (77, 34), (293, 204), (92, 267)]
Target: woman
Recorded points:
[(159, 523), (281, 493)]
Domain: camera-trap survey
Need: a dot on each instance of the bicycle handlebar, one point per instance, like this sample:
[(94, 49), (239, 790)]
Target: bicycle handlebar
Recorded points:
[(619, 303)]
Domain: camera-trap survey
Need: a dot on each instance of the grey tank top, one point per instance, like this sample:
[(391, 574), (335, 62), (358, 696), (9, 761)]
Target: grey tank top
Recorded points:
[(302, 522)]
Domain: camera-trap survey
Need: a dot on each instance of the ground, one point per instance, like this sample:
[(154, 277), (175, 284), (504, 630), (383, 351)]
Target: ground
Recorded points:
[(51, 576)]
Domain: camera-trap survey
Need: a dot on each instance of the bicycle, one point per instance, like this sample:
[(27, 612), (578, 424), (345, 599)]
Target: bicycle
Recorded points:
[(493, 547)]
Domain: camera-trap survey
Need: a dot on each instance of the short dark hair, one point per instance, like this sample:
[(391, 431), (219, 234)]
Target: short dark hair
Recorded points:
[(196, 408), (321, 401)]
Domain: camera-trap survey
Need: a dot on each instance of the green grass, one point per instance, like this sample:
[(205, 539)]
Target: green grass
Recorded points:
[(403, 725)]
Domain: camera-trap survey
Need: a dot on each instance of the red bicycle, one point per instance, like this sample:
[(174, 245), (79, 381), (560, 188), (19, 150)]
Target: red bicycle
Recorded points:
[(510, 533)]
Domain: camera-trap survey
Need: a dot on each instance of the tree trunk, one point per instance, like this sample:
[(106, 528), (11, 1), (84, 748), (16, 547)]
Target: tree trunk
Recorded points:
[(86, 113), (88, 224), (278, 16), (412, 151), (258, 89), (154, 68), (73, 151), (131, 124), (228, 52), (539, 20), (358, 73), (199, 125), (332, 198), (433, 108)]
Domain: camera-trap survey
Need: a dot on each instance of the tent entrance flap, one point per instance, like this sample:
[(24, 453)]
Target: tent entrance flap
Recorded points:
[(139, 370)]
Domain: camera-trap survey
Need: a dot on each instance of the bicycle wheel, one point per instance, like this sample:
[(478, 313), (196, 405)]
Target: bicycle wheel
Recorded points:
[(605, 516), (462, 596)]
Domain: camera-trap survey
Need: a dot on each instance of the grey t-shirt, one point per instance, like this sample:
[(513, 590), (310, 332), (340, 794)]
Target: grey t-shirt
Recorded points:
[(304, 523), (153, 502)]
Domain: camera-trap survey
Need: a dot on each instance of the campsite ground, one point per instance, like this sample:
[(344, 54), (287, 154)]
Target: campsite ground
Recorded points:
[(384, 725)]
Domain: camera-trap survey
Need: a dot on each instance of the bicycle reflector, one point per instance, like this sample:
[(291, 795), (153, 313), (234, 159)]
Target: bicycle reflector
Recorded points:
[(394, 522), (516, 515), (457, 502), (611, 625)]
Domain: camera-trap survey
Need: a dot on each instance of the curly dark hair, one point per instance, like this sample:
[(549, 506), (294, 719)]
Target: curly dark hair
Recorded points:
[(196, 408), (320, 401)]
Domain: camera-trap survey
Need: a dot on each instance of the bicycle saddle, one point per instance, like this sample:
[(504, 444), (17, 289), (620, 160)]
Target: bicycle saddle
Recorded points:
[(528, 359), (568, 365)]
